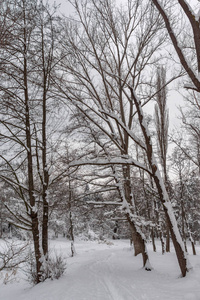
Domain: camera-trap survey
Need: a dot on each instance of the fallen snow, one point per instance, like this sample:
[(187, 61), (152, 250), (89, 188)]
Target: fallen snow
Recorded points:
[(109, 271)]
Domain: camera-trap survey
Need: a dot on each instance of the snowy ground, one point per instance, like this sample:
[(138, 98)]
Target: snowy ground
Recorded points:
[(110, 271)]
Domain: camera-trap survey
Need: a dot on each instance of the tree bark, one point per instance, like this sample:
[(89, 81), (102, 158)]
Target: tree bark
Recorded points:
[(173, 228), (162, 242), (168, 240), (139, 244), (36, 242), (153, 240), (181, 255)]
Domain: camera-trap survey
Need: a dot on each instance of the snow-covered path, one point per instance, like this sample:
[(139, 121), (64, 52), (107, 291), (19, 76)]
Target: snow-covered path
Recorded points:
[(111, 272), (104, 276)]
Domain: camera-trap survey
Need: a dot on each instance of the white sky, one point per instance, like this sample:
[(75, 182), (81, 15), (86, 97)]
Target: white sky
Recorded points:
[(65, 7), (174, 99)]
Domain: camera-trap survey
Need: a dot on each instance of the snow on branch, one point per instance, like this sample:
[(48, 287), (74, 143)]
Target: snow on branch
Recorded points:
[(123, 160), (128, 131)]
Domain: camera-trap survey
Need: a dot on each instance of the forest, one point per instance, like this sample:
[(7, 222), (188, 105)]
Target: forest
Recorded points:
[(87, 143)]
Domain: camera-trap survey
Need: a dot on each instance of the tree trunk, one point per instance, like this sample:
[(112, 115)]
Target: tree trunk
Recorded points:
[(181, 255), (172, 223), (136, 241), (153, 240), (126, 196), (193, 248), (139, 244), (162, 242), (44, 152), (71, 226), (137, 236), (34, 216), (35, 233), (45, 227), (168, 241)]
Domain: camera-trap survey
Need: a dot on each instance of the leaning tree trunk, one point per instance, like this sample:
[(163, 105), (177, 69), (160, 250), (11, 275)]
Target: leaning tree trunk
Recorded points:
[(162, 192), (167, 240), (171, 221), (177, 241)]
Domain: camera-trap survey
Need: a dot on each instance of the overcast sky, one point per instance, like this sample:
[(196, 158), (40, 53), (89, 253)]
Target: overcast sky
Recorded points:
[(174, 99), (65, 7)]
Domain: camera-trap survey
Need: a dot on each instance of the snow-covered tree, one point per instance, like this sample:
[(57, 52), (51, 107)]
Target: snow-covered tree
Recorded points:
[(109, 55), (27, 59)]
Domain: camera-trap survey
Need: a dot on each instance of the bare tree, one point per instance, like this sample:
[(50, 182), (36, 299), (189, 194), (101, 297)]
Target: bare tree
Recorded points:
[(106, 48), (27, 63), (107, 51)]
